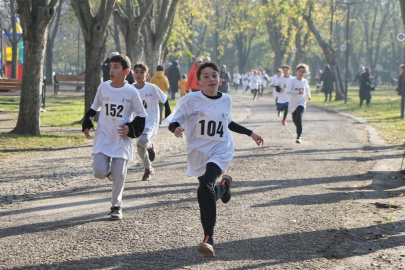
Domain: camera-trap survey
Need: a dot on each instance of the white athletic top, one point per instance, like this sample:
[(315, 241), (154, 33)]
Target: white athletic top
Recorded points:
[(206, 128), (236, 78), (150, 95), (263, 78), (245, 79), (297, 100), (283, 82), (117, 106), (254, 82), (273, 83)]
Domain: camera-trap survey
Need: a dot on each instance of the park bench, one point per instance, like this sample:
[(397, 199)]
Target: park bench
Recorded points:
[(10, 84), (68, 80)]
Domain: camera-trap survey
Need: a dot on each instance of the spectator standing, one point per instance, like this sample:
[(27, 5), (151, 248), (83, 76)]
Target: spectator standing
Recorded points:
[(174, 78), (366, 87), (192, 77), (224, 87), (328, 79)]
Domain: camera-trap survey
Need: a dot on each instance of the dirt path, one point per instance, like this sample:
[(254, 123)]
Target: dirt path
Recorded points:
[(308, 206)]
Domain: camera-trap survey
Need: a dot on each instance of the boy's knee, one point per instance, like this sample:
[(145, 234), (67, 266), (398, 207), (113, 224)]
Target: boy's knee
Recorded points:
[(143, 141), (100, 173)]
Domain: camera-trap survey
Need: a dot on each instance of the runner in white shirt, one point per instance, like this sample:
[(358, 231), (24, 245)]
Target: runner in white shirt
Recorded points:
[(264, 80), (205, 118), (281, 87), (245, 82), (121, 118), (273, 84), (150, 95), (254, 84), (236, 80), (298, 89)]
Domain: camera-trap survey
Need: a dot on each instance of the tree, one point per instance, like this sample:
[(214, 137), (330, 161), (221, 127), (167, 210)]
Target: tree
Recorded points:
[(130, 19), (94, 28), (154, 29), (50, 42), (35, 17), (115, 33)]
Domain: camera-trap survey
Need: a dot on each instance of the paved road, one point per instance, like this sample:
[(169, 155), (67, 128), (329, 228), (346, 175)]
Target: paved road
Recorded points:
[(294, 206)]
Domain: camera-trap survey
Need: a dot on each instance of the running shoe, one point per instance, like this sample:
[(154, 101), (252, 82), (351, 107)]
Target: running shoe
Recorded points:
[(116, 213), (148, 174), (227, 183), (152, 153)]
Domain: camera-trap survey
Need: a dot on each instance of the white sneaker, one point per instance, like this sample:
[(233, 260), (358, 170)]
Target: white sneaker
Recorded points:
[(206, 250), (298, 140), (116, 213)]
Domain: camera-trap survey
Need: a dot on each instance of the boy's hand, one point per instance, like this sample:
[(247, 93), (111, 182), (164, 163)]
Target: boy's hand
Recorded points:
[(123, 131), (257, 138), (178, 132), (87, 133), (300, 92), (309, 98)]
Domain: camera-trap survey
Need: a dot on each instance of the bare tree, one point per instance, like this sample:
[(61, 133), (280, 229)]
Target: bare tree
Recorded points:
[(115, 33), (50, 42), (130, 20), (94, 28), (154, 29), (35, 17), (328, 53)]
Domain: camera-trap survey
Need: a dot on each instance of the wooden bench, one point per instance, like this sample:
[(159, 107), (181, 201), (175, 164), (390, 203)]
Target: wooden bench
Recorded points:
[(10, 84), (68, 80)]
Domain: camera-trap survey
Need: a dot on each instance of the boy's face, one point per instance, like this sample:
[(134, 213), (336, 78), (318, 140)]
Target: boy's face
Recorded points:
[(278, 73), (301, 73), (117, 72), (140, 75), (286, 72), (209, 79)]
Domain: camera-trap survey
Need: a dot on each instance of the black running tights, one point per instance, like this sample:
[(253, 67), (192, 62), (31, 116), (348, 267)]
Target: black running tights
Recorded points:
[(297, 119), (208, 193)]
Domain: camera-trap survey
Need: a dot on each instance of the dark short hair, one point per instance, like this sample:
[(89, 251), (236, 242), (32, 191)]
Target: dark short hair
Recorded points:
[(286, 66), (279, 70), (141, 65), (205, 65), (122, 59), (159, 68), (302, 65)]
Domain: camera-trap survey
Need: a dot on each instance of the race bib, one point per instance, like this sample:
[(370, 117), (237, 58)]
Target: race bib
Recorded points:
[(209, 128), (113, 110), (146, 103)]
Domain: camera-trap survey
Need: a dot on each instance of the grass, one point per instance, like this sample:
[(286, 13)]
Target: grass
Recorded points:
[(384, 113), (64, 113)]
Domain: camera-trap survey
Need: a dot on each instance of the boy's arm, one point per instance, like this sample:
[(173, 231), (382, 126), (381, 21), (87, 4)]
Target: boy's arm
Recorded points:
[(136, 127), (162, 97), (242, 130), (290, 89), (307, 89), (87, 123)]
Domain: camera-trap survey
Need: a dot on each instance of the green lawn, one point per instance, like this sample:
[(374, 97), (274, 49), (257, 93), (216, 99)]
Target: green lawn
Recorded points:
[(384, 113), (62, 113)]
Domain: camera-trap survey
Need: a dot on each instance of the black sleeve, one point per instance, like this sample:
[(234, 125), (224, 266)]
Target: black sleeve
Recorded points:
[(136, 127), (235, 127), (168, 111), (88, 119), (173, 126), (278, 88)]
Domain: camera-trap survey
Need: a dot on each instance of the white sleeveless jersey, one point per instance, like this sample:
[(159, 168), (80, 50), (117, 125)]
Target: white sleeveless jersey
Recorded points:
[(150, 95), (297, 100), (117, 106), (206, 128), (282, 82)]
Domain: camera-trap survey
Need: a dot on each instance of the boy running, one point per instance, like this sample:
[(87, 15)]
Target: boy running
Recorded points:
[(254, 84), (298, 89), (205, 118), (282, 97), (121, 118), (273, 84), (150, 95)]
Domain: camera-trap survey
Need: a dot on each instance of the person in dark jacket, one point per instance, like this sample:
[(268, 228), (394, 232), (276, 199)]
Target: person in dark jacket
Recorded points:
[(174, 78), (365, 87), (400, 79), (224, 87), (328, 83), (105, 68)]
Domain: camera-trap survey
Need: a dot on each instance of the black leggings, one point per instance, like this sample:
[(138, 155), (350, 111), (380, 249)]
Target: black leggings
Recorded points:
[(285, 109), (255, 93), (367, 100), (208, 193), (297, 119), (236, 87), (326, 96)]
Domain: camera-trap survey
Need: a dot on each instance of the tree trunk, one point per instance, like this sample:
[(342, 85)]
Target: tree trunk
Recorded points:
[(34, 22), (152, 57), (49, 45), (14, 41), (116, 37), (329, 57), (95, 49)]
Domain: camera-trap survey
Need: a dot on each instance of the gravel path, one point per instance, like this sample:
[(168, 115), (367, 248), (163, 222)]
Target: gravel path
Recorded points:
[(308, 206)]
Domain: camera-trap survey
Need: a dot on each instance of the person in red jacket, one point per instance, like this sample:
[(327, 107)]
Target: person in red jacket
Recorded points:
[(192, 77)]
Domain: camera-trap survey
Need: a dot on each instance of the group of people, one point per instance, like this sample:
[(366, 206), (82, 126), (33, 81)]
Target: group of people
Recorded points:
[(255, 81), (128, 111)]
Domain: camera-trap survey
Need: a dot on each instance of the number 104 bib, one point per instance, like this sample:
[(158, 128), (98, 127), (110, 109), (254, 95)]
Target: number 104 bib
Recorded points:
[(210, 128)]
